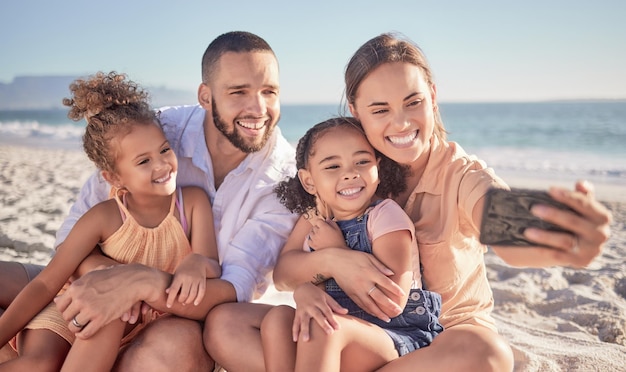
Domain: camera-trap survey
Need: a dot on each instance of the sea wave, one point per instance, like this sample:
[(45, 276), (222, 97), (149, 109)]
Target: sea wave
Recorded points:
[(547, 163)]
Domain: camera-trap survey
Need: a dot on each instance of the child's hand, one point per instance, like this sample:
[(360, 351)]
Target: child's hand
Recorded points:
[(325, 234), (132, 315), (312, 303), (189, 282)]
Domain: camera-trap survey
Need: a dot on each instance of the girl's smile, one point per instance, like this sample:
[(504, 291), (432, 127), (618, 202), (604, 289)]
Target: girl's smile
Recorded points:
[(342, 172)]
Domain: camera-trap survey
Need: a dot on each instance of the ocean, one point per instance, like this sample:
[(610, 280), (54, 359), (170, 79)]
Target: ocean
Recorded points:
[(552, 140)]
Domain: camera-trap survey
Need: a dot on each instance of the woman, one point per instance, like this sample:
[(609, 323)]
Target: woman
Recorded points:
[(389, 88)]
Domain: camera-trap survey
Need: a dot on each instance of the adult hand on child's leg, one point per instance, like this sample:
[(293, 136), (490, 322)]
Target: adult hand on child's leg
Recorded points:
[(313, 304), (101, 296)]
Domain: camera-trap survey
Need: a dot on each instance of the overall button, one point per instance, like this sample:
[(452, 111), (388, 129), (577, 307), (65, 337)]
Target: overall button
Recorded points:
[(415, 296)]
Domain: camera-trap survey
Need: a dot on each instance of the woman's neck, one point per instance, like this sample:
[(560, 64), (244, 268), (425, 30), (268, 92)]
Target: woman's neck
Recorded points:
[(416, 170)]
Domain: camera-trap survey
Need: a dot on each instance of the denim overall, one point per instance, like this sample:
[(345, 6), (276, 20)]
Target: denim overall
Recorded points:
[(419, 322)]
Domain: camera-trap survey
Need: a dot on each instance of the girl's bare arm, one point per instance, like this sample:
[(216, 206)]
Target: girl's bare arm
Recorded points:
[(44, 287)]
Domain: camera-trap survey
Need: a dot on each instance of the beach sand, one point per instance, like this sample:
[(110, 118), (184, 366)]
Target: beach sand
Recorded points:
[(556, 319)]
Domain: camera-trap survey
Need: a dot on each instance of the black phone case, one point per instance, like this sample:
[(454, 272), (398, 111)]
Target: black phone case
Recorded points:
[(507, 215)]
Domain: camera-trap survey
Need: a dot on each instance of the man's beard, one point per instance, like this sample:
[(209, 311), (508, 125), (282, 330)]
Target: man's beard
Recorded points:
[(234, 137)]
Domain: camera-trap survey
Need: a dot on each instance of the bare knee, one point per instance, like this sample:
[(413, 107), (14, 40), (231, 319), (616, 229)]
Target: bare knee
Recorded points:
[(276, 325), (39, 350), (7, 353), (167, 344), (232, 327), (278, 317), (232, 322), (14, 277), (219, 323), (479, 349), (219, 319), (493, 354), (501, 355)]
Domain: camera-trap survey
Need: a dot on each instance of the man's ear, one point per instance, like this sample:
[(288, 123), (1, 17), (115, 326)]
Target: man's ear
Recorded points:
[(204, 96), (307, 181), (112, 179)]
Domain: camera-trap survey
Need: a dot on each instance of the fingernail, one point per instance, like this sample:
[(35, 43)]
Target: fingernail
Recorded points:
[(531, 233), (538, 210)]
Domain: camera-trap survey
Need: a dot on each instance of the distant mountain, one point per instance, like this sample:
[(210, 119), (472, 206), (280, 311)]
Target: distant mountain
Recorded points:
[(46, 92)]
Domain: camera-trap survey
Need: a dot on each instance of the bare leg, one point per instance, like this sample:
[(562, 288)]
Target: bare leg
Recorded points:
[(13, 278), (356, 346), (167, 344), (7, 353), (231, 328), (97, 353), (40, 350), (279, 350), (459, 348)]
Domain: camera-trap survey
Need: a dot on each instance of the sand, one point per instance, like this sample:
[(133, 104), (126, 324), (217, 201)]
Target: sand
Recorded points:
[(556, 319)]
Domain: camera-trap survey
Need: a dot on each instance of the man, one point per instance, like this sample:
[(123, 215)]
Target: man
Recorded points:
[(230, 146)]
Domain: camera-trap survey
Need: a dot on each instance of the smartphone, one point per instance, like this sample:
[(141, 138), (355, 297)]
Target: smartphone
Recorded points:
[(507, 215)]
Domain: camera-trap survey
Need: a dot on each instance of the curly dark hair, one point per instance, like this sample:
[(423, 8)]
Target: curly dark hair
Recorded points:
[(111, 104), (295, 198)]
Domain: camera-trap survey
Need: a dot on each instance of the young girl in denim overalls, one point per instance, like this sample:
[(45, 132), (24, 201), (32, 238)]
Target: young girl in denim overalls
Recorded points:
[(343, 188)]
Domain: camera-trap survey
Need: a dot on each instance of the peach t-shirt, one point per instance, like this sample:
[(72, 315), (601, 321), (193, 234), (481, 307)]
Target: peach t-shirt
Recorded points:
[(384, 218), (451, 255)]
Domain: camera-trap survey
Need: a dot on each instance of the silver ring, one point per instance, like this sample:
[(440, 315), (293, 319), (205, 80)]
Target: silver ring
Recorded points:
[(371, 290), (76, 324)]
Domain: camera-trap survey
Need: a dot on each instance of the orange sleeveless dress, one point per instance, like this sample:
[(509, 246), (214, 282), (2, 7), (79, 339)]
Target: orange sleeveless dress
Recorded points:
[(161, 247)]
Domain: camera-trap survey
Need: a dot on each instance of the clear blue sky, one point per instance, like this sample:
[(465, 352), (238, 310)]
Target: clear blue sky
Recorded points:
[(479, 50)]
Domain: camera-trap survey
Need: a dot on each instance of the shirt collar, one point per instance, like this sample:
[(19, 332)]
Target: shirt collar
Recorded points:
[(439, 157)]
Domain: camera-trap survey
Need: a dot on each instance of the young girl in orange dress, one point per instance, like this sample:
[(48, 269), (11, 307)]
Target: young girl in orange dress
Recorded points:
[(148, 220)]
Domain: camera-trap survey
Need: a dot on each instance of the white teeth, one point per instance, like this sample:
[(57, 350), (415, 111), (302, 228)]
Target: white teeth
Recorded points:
[(162, 179), (404, 139), (252, 125), (348, 192)]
